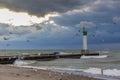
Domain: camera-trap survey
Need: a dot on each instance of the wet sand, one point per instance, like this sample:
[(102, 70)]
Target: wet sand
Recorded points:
[(20, 73)]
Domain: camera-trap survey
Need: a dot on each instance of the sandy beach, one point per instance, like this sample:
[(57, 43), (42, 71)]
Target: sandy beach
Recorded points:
[(20, 73)]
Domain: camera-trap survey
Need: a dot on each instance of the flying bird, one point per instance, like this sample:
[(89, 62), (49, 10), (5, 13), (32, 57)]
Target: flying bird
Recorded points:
[(77, 34), (5, 38), (78, 30), (38, 27), (7, 44), (28, 40), (10, 33)]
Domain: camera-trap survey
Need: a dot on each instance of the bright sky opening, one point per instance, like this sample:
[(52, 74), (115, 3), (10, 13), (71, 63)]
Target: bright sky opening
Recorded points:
[(22, 18)]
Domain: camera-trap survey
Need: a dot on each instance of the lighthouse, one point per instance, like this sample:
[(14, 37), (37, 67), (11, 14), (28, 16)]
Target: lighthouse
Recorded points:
[(84, 50)]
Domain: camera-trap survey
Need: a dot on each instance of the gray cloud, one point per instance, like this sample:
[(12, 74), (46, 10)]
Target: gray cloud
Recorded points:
[(104, 6), (86, 24), (116, 19), (15, 32), (38, 26), (41, 7)]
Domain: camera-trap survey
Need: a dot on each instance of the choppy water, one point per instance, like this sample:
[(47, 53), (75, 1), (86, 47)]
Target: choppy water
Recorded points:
[(108, 60)]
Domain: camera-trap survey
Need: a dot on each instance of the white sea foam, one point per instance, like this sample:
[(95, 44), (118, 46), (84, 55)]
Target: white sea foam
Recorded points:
[(105, 51), (93, 70), (64, 53), (33, 67), (25, 53), (110, 72), (22, 63), (101, 56)]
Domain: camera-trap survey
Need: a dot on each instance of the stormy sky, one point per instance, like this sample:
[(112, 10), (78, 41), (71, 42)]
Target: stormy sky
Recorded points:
[(57, 24)]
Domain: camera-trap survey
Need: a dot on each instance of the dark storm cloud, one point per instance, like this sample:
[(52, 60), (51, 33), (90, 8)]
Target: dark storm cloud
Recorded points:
[(103, 11), (41, 7)]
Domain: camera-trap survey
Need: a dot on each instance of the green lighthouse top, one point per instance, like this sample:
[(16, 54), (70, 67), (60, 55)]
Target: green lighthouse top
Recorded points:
[(84, 31)]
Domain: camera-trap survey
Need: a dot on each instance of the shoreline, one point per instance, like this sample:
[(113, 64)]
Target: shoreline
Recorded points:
[(8, 72)]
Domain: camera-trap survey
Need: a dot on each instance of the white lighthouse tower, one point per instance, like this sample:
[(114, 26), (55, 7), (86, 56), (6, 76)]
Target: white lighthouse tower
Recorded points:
[(84, 50)]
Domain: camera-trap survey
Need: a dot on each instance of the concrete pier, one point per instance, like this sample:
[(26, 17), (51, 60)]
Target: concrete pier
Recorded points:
[(46, 57), (7, 59), (11, 59)]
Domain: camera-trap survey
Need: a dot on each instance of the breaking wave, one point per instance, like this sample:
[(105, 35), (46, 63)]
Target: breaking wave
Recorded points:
[(101, 56), (22, 63), (105, 74), (110, 72)]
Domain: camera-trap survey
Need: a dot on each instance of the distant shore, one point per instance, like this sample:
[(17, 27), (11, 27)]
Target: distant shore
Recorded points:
[(20, 73)]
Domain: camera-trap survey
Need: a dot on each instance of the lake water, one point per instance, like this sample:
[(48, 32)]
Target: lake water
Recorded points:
[(108, 60)]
